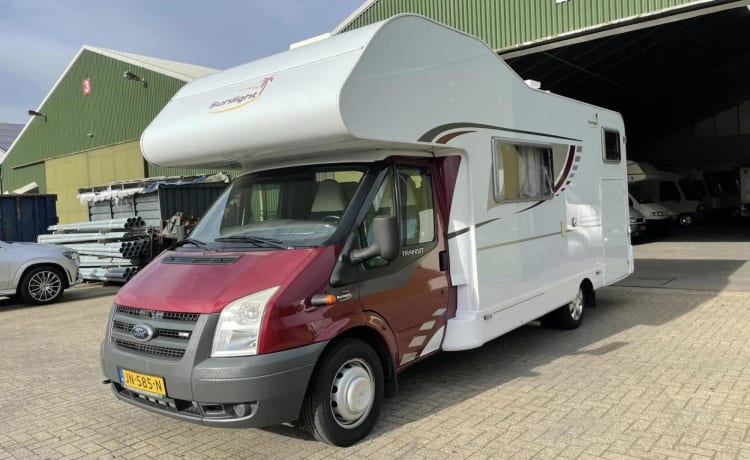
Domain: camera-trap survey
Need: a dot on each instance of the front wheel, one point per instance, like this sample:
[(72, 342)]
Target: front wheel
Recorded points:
[(345, 394), (41, 285), (685, 219)]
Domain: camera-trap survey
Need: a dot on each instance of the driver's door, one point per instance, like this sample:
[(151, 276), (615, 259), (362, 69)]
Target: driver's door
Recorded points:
[(410, 292)]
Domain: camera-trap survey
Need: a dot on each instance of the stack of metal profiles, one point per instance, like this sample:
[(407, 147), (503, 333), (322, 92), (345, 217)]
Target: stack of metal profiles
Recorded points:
[(110, 250)]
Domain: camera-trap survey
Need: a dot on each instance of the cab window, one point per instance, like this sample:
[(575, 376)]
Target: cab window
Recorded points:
[(407, 194)]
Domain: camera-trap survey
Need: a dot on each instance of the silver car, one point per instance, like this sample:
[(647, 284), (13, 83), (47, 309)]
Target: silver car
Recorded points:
[(39, 273)]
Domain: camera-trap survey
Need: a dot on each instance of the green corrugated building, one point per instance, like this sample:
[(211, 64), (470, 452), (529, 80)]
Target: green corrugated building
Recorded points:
[(86, 132), (515, 25)]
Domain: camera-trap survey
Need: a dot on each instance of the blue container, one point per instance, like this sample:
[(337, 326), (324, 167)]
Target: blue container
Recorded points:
[(24, 217)]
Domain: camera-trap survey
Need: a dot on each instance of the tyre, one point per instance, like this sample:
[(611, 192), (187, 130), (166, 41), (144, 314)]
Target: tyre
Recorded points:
[(569, 316), (41, 285), (685, 219), (345, 394)]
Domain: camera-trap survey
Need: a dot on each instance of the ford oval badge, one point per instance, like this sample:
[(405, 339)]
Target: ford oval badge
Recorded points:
[(142, 332)]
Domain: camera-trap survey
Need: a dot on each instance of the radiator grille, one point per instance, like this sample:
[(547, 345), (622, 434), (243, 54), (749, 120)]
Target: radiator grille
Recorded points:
[(168, 315), (160, 332), (172, 331), (151, 349)]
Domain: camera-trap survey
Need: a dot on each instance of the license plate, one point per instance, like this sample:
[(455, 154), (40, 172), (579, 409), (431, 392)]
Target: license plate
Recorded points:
[(145, 383)]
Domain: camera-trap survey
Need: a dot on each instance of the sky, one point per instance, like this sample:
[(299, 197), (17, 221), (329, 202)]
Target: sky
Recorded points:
[(39, 38)]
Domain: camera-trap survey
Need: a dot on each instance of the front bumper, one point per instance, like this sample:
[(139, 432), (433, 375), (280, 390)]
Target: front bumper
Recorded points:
[(637, 229), (248, 392)]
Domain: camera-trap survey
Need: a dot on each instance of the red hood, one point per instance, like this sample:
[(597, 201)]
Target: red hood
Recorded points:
[(202, 288)]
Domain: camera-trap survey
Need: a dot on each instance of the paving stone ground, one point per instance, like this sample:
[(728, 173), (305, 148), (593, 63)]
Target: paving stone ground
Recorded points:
[(652, 373)]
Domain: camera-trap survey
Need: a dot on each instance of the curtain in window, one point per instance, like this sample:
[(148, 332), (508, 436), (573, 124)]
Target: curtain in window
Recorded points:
[(533, 171)]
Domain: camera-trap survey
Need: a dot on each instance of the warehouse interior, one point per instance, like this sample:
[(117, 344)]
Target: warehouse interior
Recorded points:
[(682, 87)]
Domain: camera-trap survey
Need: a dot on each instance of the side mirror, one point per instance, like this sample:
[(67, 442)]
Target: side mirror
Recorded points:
[(387, 241)]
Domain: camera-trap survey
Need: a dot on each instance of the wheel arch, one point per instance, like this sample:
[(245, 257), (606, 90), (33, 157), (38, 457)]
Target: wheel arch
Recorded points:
[(375, 339), (39, 264), (589, 294)]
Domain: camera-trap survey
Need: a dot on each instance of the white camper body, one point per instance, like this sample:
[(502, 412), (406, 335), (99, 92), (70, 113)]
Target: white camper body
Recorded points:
[(539, 207)]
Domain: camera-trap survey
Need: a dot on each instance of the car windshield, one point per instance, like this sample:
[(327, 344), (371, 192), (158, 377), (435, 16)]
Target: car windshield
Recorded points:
[(279, 209), (641, 197)]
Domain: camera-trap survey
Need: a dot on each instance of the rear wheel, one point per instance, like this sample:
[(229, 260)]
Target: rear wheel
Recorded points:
[(41, 285), (569, 316), (345, 394)]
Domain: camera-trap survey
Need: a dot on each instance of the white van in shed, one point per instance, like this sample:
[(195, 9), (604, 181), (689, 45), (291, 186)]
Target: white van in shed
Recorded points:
[(405, 192)]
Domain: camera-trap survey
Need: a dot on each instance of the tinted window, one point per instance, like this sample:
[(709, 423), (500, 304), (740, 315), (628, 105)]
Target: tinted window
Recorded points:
[(668, 191), (688, 190), (611, 146)]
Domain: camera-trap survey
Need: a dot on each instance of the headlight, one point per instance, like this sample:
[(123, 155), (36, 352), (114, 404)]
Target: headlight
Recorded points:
[(239, 325), (633, 220), (73, 255)]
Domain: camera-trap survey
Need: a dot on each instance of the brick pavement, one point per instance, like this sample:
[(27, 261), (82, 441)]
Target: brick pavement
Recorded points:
[(652, 373)]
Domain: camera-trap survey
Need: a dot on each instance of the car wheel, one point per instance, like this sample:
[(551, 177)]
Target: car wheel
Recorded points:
[(685, 219), (345, 394), (41, 285), (569, 316)]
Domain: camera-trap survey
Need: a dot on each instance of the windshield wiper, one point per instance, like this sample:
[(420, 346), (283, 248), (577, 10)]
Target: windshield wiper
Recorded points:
[(256, 240), (197, 243)]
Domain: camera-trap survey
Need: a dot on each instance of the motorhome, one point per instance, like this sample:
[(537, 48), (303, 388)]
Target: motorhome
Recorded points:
[(668, 189), (405, 193), (657, 216)]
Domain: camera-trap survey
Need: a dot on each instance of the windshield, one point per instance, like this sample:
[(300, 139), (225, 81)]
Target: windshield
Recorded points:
[(641, 197), (284, 208)]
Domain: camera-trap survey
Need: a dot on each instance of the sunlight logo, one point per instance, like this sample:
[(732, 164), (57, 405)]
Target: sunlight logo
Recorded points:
[(252, 94)]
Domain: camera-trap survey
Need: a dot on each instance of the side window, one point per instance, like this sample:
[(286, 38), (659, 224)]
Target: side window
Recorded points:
[(522, 172), (384, 204), (668, 191), (611, 146), (412, 205), (417, 213)]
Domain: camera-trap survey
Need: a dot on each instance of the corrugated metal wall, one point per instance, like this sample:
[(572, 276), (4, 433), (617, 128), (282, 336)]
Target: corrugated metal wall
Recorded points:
[(116, 110), (65, 175), (16, 177), (161, 204), (507, 23), (24, 217)]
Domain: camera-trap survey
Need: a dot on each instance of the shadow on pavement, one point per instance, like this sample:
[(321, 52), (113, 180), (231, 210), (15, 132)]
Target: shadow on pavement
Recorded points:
[(450, 378)]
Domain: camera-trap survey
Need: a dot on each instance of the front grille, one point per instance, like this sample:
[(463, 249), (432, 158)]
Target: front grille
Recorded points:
[(172, 331), (152, 314), (151, 349)]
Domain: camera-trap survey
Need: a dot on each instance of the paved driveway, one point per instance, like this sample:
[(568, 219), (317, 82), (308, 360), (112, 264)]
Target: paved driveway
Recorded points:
[(652, 373)]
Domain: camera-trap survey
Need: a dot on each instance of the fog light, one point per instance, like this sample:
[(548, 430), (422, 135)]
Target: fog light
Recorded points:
[(242, 410)]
